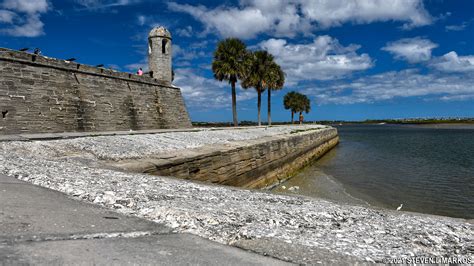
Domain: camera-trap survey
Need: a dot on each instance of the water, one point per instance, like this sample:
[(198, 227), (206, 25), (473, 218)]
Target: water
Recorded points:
[(429, 169)]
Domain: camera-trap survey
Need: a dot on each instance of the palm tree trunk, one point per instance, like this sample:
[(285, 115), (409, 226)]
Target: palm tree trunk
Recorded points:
[(269, 107), (301, 121), (234, 105), (292, 117), (259, 105)]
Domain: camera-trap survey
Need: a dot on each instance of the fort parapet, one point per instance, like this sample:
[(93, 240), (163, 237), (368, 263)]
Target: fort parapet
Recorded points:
[(40, 94)]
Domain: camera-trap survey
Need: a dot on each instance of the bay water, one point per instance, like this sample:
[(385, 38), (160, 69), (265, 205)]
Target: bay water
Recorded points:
[(428, 169)]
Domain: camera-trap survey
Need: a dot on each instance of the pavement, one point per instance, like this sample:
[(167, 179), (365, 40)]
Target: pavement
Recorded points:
[(42, 226)]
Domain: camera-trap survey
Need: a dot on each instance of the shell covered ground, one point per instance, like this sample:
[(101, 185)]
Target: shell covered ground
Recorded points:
[(226, 214)]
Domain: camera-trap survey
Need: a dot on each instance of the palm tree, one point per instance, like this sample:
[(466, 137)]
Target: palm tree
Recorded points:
[(276, 82), (304, 105), (297, 103), (230, 63), (259, 76), (289, 102)]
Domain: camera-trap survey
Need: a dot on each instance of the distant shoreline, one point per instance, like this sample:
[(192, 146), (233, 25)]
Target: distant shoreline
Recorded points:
[(445, 125), (468, 121), (415, 125)]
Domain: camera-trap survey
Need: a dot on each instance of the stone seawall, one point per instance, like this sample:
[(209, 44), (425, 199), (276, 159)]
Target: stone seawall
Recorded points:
[(40, 95), (255, 163)]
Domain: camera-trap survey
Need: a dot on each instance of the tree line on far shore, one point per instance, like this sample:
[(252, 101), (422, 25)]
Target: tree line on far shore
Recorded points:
[(233, 62)]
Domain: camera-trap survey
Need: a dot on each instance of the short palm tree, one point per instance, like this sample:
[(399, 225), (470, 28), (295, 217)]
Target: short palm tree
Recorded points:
[(230, 63), (296, 103), (304, 105), (259, 76), (276, 82), (289, 103)]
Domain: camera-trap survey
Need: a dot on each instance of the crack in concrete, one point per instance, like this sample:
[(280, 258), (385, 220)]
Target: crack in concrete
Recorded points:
[(66, 237)]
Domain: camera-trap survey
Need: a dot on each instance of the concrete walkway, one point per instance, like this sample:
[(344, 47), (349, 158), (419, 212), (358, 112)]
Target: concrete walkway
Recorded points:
[(41, 226)]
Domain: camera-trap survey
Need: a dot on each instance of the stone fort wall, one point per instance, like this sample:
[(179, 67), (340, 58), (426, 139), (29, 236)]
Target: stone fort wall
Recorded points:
[(45, 95)]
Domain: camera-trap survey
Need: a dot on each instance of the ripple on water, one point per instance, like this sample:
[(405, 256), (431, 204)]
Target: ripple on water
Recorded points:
[(429, 170)]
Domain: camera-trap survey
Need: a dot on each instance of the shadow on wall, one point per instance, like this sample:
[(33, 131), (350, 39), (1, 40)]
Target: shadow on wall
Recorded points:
[(84, 113), (159, 110), (131, 110)]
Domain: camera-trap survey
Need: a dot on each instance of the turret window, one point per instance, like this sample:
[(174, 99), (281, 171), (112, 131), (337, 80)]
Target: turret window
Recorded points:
[(163, 46)]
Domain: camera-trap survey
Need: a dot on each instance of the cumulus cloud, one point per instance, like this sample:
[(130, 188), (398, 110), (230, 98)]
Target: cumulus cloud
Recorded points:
[(396, 84), (201, 92), (451, 62), (227, 21), (330, 13), (323, 59), (413, 50), (23, 17), (32, 27), (286, 18)]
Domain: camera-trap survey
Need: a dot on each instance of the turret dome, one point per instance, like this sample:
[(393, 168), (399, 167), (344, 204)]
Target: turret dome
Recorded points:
[(159, 32)]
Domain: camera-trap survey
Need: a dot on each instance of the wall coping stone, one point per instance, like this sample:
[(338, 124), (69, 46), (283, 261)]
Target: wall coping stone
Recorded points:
[(73, 67)]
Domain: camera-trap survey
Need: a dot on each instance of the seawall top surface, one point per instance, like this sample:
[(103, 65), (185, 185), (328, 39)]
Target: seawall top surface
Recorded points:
[(73, 135), (148, 143)]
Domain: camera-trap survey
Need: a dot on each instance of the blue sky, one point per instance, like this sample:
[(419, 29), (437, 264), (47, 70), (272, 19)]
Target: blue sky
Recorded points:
[(356, 59)]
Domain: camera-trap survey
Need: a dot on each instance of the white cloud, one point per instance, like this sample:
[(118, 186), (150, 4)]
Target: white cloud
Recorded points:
[(148, 22), (451, 62), (205, 93), (100, 4), (323, 59), (23, 17), (286, 18), (459, 27), (141, 20), (413, 50), (7, 16), (26, 6), (462, 97), (416, 50), (135, 66), (329, 13), (456, 27), (227, 21), (396, 84), (189, 53), (185, 32), (32, 27)]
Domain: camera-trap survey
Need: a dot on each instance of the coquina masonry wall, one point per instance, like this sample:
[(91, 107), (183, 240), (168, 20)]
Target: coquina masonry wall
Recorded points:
[(257, 163), (42, 95)]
